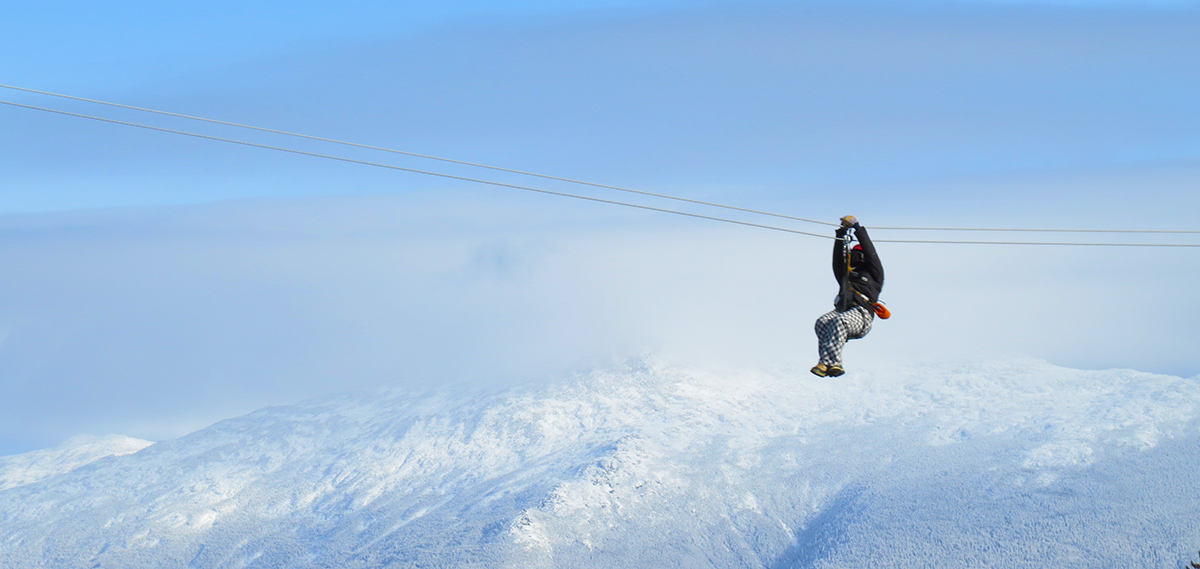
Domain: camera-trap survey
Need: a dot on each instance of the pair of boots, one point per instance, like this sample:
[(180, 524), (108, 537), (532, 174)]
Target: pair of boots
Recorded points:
[(822, 370)]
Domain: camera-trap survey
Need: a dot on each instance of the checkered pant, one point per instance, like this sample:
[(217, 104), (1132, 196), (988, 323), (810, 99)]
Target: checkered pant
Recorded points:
[(834, 328)]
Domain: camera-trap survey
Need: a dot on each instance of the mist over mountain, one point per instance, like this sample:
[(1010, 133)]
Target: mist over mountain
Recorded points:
[(647, 464)]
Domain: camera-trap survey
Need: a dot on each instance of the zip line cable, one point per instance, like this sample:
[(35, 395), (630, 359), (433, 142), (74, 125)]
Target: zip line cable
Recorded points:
[(1077, 244), (571, 180), (564, 194), (1173, 231), (417, 155), (415, 171)]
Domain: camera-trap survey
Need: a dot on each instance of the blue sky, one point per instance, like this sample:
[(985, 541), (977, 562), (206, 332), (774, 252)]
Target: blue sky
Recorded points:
[(745, 102), (122, 44), (158, 283)]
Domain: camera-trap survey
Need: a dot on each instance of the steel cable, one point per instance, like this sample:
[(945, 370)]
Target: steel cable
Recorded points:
[(576, 196), (571, 180), (418, 155), (413, 170)]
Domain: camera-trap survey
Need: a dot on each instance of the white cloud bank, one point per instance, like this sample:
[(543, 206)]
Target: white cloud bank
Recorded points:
[(155, 322)]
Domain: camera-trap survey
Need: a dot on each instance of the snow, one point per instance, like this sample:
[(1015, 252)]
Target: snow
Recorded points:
[(647, 464), (78, 451)]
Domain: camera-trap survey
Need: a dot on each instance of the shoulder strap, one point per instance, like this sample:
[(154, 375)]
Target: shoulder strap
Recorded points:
[(844, 295)]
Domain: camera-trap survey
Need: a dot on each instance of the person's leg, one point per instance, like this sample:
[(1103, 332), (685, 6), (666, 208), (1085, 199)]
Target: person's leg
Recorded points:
[(831, 336), (833, 330), (857, 322)]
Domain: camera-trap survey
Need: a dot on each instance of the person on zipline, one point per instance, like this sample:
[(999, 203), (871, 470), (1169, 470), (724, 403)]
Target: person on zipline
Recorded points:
[(860, 275)]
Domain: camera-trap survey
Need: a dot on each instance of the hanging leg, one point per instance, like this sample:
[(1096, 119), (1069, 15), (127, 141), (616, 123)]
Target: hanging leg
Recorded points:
[(833, 330), (831, 337)]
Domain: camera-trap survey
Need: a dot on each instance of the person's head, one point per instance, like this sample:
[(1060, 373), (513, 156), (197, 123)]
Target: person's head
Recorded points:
[(856, 256)]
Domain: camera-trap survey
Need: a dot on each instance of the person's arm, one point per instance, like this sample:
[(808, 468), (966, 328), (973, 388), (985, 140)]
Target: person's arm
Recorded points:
[(839, 255), (870, 256)]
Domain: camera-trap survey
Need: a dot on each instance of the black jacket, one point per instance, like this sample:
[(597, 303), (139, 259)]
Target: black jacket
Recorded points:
[(865, 280)]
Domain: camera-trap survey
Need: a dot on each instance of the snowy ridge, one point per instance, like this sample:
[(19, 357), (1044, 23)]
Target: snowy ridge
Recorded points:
[(1017, 464), (78, 451)]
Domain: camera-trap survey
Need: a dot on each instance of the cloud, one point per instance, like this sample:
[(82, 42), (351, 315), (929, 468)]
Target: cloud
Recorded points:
[(153, 322)]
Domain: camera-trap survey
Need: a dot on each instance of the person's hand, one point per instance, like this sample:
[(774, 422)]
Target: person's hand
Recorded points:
[(849, 221)]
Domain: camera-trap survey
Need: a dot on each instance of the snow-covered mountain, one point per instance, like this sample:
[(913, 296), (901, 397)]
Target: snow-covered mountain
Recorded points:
[(1014, 464), (33, 466)]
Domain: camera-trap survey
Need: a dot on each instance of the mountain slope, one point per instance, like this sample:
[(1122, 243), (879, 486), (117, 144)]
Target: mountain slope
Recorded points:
[(38, 465), (1011, 464)]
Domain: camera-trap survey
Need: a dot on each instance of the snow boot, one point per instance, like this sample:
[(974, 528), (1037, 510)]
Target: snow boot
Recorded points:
[(822, 370)]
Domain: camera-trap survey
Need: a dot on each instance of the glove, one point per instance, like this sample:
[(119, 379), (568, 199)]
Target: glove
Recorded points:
[(849, 221)]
